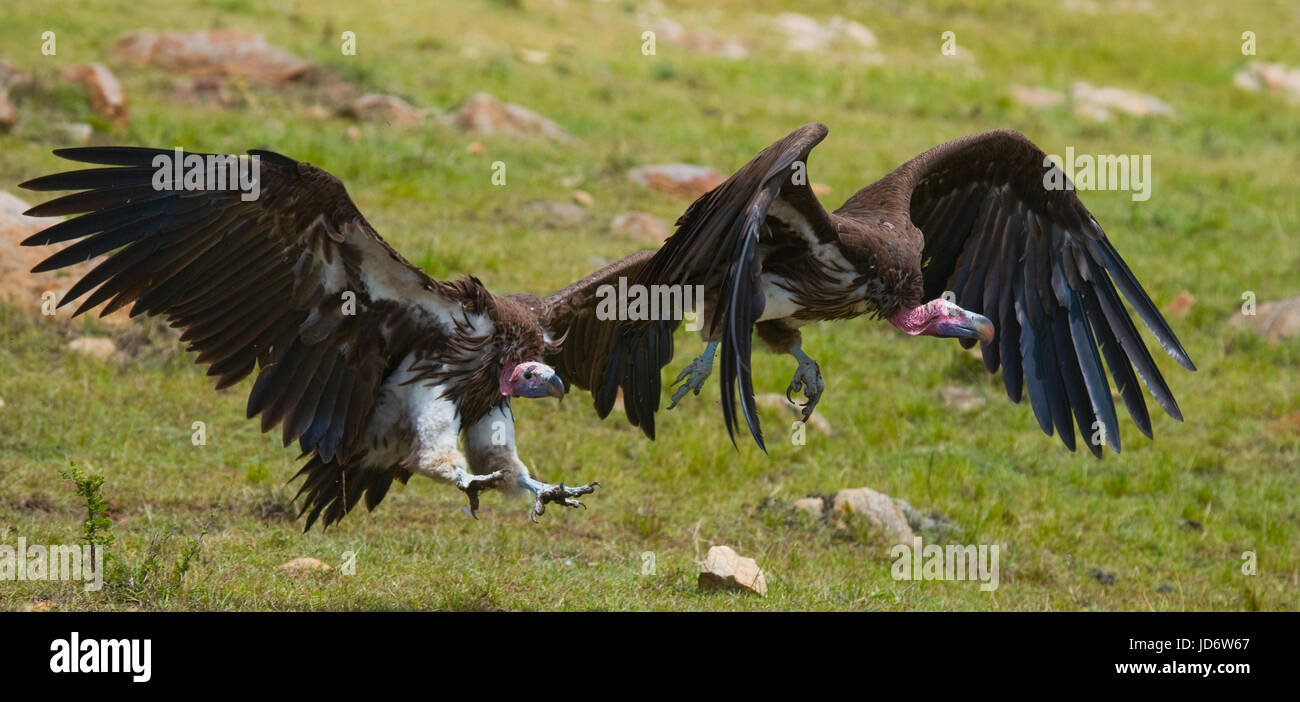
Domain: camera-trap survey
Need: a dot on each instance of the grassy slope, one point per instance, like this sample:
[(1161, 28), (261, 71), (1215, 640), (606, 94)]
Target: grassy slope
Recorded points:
[(1223, 219)]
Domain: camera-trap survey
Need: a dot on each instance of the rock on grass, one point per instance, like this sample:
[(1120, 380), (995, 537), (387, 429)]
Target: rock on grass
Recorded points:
[(217, 52), (725, 570), (106, 95), (685, 179), (299, 566), (879, 510)]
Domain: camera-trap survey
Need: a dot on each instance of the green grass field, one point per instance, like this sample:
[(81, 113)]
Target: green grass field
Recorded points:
[(1169, 519)]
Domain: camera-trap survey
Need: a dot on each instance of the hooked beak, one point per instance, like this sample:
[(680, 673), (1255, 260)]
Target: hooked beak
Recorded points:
[(555, 387), (973, 326), (982, 328)]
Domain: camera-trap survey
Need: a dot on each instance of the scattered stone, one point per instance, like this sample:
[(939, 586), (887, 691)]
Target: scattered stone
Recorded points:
[(772, 400), (1193, 525), (1180, 304), (485, 114), (805, 34), (388, 109), (881, 512), (1290, 424), (39, 606), (2, 403), (475, 148), (352, 133), (10, 77), (724, 570), (1037, 98), (1097, 103), (1165, 589), (685, 179), (582, 197), (95, 347), (8, 112), (318, 112), (532, 56), (815, 506), (18, 285), (298, 566), (1275, 78), (76, 133), (555, 214), (698, 40), (106, 95), (640, 225), (960, 398), (1274, 321), (1102, 577), (219, 52)]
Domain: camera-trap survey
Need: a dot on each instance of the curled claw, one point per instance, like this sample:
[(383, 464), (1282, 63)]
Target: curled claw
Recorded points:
[(472, 485), (560, 494)]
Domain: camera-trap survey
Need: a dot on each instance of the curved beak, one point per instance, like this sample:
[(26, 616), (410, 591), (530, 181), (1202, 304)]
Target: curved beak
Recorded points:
[(981, 327), (555, 387), (971, 326)]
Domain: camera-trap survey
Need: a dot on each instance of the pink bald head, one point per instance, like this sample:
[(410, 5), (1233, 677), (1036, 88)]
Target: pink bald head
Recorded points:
[(531, 379), (944, 319)]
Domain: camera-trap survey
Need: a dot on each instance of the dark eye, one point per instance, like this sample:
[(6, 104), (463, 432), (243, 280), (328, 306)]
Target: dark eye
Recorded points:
[(528, 375)]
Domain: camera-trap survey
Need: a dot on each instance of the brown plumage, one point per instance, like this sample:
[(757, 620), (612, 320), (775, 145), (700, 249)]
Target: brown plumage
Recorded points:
[(972, 217), (370, 364)]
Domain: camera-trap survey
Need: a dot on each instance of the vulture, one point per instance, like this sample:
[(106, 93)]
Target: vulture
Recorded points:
[(374, 367), (964, 241)]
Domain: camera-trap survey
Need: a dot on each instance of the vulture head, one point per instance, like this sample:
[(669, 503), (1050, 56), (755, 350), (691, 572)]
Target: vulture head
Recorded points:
[(531, 379), (942, 318)]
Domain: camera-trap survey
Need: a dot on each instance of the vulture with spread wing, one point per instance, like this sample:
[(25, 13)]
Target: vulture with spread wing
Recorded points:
[(374, 367), (966, 240)]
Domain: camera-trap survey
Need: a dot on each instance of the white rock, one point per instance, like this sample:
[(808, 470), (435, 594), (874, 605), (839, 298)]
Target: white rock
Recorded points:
[(94, 346), (1273, 320), (1038, 98), (725, 570), (106, 95), (1272, 77), (220, 52), (640, 225), (815, 506), (961, 399), (1096, 103), (686, 179), (485, 114), (878, 509), (387, 109), (299, 566)]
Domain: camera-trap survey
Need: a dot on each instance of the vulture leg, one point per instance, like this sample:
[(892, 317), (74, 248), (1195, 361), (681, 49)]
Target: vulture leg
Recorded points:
[(807, 377), (490, 444), (695, 374)]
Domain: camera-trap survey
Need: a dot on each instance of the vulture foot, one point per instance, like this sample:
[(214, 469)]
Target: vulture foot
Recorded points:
[(559, 494), (695, 374), (808, 378), (472, 485)]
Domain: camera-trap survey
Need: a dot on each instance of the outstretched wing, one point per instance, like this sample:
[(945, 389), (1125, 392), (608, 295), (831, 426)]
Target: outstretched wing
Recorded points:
[(768, 202), (1038, 265), (590, 355), (295, 283)]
